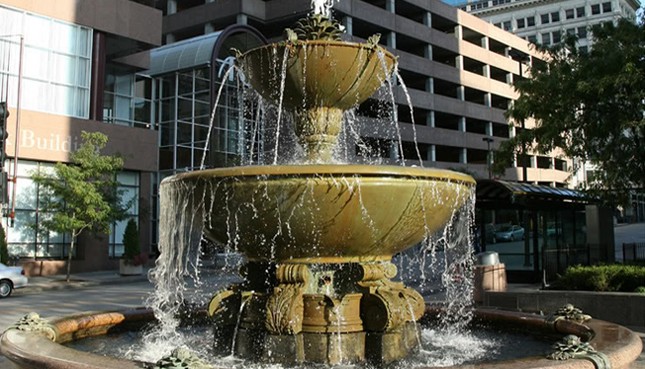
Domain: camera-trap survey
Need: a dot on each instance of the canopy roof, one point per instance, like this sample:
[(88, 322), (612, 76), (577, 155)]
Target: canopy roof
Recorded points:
[(525, 193), (203, 50)]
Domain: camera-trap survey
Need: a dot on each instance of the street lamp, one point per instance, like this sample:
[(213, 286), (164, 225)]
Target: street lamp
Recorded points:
[(521, 58), (489, 157)]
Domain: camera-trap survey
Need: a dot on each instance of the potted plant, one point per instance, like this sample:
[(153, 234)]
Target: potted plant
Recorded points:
[(132, 261)]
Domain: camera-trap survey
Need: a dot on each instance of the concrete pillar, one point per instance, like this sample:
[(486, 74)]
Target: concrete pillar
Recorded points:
[(171, 7), (485, 42), (427, 52), (432, 153), (459, 32), (489, 129), (390, 6), (463, 156), (486, 70), (488, 99), (427, 19), (600, 231), (391, 40), (430, 119), (459, 62), (394, 150), (209, 28), (430, 85), (242, 19), (462, 124), (461, 93), (348, 24)]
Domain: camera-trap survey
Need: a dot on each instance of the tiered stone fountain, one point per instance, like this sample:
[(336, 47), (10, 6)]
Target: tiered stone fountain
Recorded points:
[(318, 239), (322, 234)]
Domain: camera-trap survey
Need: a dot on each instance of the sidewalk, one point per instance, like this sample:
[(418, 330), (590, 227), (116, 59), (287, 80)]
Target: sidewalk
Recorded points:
[(78, 280)]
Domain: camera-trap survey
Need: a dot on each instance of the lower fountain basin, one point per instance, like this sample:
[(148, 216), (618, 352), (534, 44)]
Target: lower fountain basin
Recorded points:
[(322, 213), (32, 349)]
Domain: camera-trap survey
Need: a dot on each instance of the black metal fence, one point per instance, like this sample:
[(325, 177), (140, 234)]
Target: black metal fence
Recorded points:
[(556, 261), (633, 252)]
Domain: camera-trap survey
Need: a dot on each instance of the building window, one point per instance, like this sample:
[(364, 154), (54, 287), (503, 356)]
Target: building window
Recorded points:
[(580, 12), (530, 21), (546, 38), (56, 63), (129, 192), (595, 9), (532, 39), (544, 18), (507, 26), (27, 238), (582, 32), (606, 7), (571, 31), (569, 13), (521, 23), (555, 17), (127, 99), (556, 37)]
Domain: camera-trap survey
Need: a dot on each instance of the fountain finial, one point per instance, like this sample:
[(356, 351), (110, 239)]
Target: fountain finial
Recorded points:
[(322, 7)]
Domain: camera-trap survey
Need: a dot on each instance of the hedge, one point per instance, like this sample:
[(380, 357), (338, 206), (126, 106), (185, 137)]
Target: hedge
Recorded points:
[(615, 277)]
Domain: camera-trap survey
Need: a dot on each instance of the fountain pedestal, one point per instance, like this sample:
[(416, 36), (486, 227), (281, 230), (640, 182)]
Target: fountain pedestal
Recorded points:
[(348, 312)]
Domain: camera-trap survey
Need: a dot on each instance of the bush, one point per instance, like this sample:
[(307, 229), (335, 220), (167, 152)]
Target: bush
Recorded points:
[(616, 277), (132, 249)]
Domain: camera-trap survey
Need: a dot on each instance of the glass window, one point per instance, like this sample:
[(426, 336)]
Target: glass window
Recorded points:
[(555, 17), (530, 21), (556, 37), (595, 9), (507, 26), (580, 12), (544, 18), (546, 38), (582, 32), (532, 39), (56, 53), (521, 23), (606, 7), (569, 14)]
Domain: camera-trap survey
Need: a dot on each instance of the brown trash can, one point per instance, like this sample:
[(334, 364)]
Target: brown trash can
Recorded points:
[(490, 275)]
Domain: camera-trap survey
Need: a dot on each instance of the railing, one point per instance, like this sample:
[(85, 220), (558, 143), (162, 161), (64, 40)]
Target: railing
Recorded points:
[(556, 261), (633, 252)]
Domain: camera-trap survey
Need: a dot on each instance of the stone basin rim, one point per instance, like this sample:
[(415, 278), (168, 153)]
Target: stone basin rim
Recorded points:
[(325, 43), (311, 170), (18, 345)]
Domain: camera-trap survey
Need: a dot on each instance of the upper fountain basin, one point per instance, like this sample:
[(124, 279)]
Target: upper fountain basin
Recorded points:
[(321, 213), (320, 73)]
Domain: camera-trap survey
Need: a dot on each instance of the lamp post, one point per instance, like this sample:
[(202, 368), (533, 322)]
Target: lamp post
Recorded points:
[(521, 58), (489, 158)]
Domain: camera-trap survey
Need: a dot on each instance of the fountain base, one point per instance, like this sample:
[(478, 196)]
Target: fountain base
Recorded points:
[(348, 312)]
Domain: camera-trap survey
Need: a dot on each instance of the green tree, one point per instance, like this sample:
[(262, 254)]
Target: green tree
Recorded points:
[(81, 196), (590, 105)]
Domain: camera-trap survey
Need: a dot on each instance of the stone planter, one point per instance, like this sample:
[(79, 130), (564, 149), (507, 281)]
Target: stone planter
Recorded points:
[(129, 269)]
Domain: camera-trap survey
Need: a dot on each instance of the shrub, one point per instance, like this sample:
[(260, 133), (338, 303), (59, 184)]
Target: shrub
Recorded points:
[(132, 249), (615, 277)]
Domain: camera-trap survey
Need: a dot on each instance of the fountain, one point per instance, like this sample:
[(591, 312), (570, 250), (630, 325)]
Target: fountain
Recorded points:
[(323, 234), (318, 237)]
